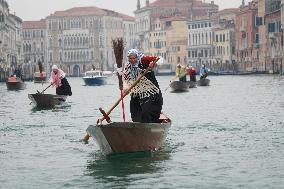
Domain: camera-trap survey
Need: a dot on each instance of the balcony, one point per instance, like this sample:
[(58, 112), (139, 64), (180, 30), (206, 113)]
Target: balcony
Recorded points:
[(271, 35), (256, 45)]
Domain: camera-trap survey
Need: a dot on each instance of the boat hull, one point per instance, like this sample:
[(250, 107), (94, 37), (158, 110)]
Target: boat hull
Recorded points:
[(179, 86), (47, 100), (129, 137), (40, 80), (203, 82), (40, 77), (95, 81), (16, 85), (191, 84)]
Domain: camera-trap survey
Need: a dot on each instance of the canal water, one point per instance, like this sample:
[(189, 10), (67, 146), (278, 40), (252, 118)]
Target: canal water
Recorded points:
[(227, 135)]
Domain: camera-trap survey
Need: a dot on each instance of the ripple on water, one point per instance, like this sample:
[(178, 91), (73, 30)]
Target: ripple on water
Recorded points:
[(227, 135)]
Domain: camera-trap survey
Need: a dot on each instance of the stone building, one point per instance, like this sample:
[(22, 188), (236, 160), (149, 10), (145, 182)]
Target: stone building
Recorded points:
[(247, 38), (200, 41), (269, 36), (129, 31), (80, 37), (34, 46), (168, 39), (282, 38), (10, 41), (148, 14), (176, 40), (272, 22), (225, 41), (158, 39)]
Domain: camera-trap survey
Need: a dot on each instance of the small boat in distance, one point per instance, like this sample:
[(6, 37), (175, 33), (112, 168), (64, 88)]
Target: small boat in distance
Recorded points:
[(15, 83), (125, 137), (95, 77), (47, 100), (39, 77), (203, 82), (179, 86)]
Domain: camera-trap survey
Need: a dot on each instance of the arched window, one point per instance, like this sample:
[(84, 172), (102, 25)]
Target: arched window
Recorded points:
[(78, 55), (65, 42)]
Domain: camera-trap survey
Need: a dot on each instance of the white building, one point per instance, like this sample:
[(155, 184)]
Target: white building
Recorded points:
[(10, 41), (160, 9), (200, 41), (34, 46), (81, 37), (225, 41)]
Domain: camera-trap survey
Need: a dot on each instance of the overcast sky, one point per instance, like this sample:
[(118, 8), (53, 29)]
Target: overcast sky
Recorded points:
[(38, 9)]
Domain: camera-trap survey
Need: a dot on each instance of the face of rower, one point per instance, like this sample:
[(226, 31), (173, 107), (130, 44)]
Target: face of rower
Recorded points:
[(132, 59), (55, 71)]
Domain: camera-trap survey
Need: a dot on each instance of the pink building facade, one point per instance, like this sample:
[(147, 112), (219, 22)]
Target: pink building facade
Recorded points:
[(247, 38)]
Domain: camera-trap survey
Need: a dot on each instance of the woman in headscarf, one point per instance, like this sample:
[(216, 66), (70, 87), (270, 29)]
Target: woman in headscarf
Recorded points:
[(58, 80), (146, 97), (181, 73)]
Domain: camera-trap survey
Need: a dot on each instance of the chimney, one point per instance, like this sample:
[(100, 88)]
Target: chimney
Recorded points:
[(243, 3), (138, 4), (147, 3)]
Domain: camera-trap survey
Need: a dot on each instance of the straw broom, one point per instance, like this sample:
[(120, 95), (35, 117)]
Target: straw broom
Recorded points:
[(118, 47)]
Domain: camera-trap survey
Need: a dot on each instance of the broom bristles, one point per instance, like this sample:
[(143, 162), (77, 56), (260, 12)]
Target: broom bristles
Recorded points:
[(118, 47)]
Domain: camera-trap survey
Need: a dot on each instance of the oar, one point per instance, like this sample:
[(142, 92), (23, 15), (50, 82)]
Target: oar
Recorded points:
[(171, 82), (106, 115), (48, 86), (45, 89), (127, 91)]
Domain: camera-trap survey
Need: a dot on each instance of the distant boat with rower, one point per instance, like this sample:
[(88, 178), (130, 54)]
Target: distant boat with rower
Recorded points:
[(41, 100), (15, 83), (40, 77), (63, 90), (95, 77), (179, 86), (203, 82)]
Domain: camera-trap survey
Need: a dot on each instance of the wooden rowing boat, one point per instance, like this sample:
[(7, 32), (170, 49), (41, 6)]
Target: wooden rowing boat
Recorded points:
[(179, 86), (203, 82), (47, 100), (191, 84), (125, 137), (15, 83)]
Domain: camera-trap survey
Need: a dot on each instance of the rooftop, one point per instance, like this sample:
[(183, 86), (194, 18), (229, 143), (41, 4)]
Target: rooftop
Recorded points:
[(34, 24)]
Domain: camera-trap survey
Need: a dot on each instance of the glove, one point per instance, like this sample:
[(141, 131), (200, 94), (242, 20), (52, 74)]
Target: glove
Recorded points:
[(119, 71)]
